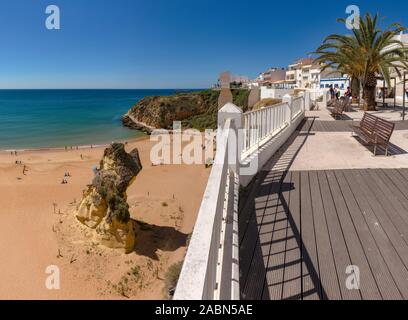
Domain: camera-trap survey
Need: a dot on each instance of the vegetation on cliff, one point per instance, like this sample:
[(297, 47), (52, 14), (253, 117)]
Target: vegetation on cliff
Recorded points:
[(197, 110)]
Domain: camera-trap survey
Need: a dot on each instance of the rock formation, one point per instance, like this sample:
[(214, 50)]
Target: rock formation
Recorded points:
[(197, 109), (103, 206)]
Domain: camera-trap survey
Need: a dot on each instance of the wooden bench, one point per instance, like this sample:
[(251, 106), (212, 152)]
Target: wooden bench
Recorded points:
[(338, 109), (375, 131), (347, 104)]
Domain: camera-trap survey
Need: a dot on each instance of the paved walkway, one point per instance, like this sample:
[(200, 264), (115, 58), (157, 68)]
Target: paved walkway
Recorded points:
[(301, 229), (342, 125), (357, 114)]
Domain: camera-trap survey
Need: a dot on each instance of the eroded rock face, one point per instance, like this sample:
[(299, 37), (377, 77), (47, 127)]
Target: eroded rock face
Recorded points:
[(103, 206)]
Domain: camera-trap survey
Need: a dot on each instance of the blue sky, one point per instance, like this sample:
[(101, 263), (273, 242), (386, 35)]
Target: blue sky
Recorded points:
[(163, 43)]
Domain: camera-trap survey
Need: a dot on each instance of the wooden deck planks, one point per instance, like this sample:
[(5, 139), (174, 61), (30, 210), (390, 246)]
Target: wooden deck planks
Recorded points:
[(393, 194), (303, 232), (368, 285), (292, 287), (265, 212), (315, 125), (276, 262), (398, 231), (257, 271), (378, 266), (311, 289), (341, 255), (328, 276), (381, 229)]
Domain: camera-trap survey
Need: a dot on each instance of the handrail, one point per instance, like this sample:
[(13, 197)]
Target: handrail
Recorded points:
[(271, 106), (297, 106), (201, 277), (262, 123), (210, 270)]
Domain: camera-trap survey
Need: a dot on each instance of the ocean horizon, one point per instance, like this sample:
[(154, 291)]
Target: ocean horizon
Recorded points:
[(57, 118)]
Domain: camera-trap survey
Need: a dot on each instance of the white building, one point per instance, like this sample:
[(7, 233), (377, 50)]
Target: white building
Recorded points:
[(303, 74), (399, 80), (273, 78)]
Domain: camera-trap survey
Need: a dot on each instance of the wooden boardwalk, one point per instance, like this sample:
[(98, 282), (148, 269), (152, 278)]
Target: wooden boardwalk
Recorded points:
[(305, 228), (342, 125), (301, 230)]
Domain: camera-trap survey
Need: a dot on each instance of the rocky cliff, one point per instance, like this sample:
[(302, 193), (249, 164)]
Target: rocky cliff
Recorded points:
[(103, 206), (195, 109)]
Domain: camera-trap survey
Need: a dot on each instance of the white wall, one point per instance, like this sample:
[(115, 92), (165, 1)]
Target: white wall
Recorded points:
[(267, 93)]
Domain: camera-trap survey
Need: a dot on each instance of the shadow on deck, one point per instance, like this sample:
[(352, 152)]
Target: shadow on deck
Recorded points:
[(300, 231)]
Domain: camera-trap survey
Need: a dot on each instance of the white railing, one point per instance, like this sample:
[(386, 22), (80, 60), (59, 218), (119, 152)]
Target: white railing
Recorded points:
[(316, 98), (297, 106), (315, 94), (210, 270), (262, 123)]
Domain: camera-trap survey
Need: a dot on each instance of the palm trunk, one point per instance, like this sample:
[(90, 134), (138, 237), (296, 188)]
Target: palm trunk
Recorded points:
[(370, 86), (355, 89), (369, 97)]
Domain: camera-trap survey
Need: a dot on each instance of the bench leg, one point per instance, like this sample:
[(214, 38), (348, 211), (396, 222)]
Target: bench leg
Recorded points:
[(386, 151), (375, 150)]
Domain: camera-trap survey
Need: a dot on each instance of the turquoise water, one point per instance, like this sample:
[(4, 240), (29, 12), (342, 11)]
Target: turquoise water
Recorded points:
[(58, 118)]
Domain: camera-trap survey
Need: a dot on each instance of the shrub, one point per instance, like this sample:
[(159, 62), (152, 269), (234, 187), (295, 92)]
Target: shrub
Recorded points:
[(266, 103), (172, 275), (119, 209)]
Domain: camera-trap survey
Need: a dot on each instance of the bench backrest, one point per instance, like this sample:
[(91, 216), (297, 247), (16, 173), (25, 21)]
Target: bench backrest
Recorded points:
[(368, 122), (381, 127), (339, 107), (384, 129), (347, 102)]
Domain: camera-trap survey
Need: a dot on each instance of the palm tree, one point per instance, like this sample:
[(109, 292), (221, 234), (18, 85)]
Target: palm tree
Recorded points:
[(365, 54), (340, 60)]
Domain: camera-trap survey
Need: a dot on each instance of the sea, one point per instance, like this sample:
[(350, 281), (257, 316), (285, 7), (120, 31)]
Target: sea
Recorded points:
[(33, 119)]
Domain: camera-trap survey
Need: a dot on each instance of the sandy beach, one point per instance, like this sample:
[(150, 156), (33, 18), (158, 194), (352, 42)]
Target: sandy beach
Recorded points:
[(38, 227)]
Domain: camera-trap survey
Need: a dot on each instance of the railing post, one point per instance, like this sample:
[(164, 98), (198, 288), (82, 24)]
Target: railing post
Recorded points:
[(288, 99), (307, 100), (231, 111), (325, 94)]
